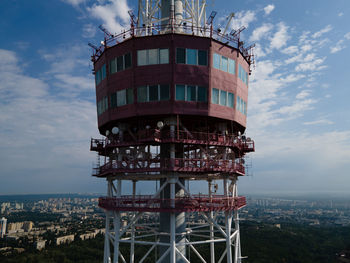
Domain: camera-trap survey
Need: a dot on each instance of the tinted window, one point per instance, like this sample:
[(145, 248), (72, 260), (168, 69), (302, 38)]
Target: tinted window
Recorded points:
[(215, 96), (180, 92), (202, 57), (127, 60), (202, 94), (164, 92), (180, 55), (153, 93)]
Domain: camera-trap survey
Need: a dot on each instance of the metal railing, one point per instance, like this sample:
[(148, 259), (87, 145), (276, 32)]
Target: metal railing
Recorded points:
[(179, 204)]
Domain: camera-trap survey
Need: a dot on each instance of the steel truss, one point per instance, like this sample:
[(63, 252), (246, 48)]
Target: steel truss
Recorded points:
[(209, 232)]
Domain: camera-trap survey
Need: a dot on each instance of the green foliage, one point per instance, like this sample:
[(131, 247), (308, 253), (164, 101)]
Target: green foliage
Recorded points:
[(262, 243)]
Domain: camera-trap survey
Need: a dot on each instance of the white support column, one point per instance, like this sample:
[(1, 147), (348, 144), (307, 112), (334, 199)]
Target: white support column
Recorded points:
[(107, 251), (116, 223), (132, 245), (211, 227), (172, 223), (238, 254), (228, 221)]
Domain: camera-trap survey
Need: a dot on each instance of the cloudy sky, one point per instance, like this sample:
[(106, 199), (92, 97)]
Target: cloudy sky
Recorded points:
[(298, 110)]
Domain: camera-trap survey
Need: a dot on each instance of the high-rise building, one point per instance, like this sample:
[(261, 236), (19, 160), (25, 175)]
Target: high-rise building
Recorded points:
[(3, 222), (172, 98)]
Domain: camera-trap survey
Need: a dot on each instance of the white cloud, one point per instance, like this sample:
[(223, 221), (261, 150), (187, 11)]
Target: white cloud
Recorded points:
[(268, 9), (113, 13), (322, 31), (303, 94), (338, 46), (312, 65), (281, 37), (260, 32), (290, 50), (74, 3), (347, 36), (340, 14), (89, 30), (243, 18), (317, 122)]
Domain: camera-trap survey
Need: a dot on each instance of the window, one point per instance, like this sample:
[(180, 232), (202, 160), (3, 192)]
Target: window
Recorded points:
[(202, 58), (129, 96), (113, 100), (230, 99), (216, 61), (223, 99), (224, 63), (163, 56), (180, 92), (190, 93), (120, 63), (100, 74), (191, 56), (102, 105), (164, 92), (121, 98), (215, 96), (127, 61), (142, 57), (153, 93), (142, 94), (242, 74), (180, 56), (231, 66), (202, 94), (152, 56), (112, 66)]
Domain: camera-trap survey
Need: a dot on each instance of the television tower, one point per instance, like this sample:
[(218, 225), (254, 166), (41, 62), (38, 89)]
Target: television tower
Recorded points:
[(171, 98)]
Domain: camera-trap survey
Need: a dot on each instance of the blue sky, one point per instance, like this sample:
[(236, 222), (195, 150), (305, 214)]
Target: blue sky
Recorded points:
[(298, 110)]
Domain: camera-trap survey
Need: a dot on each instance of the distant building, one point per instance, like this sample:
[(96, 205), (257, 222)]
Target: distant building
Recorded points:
[(40, 244), (25, 226), (64, 240), (3, 222)]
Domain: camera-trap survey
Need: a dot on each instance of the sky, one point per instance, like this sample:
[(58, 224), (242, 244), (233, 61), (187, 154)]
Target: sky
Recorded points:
[(298, 106)]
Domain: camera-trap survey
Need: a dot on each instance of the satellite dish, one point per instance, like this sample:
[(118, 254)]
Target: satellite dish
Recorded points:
[(107, 133), (115, 130), (160, 124)]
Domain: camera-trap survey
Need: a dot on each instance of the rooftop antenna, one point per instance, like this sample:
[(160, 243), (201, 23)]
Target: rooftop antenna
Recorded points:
[(211, 18), (107, 33), (229, 18), (93, 46), (132, 18), (236, 33)]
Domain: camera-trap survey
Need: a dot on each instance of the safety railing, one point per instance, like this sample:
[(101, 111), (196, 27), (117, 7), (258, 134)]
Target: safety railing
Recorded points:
[(147, 203), (157, 136), (169, 165)]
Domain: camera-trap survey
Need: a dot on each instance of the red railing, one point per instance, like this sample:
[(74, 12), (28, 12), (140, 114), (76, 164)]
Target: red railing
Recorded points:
[(170, 165), (196, 203), (172, 28), (143, 136)]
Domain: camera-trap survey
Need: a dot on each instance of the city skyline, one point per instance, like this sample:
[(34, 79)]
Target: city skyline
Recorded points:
[(297, 108)]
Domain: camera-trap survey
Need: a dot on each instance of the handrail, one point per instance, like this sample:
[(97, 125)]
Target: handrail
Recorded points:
[(155, 135), (194, 203), (171, 28)]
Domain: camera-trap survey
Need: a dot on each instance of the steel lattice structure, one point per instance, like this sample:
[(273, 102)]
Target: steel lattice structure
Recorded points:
[(171, 99)]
